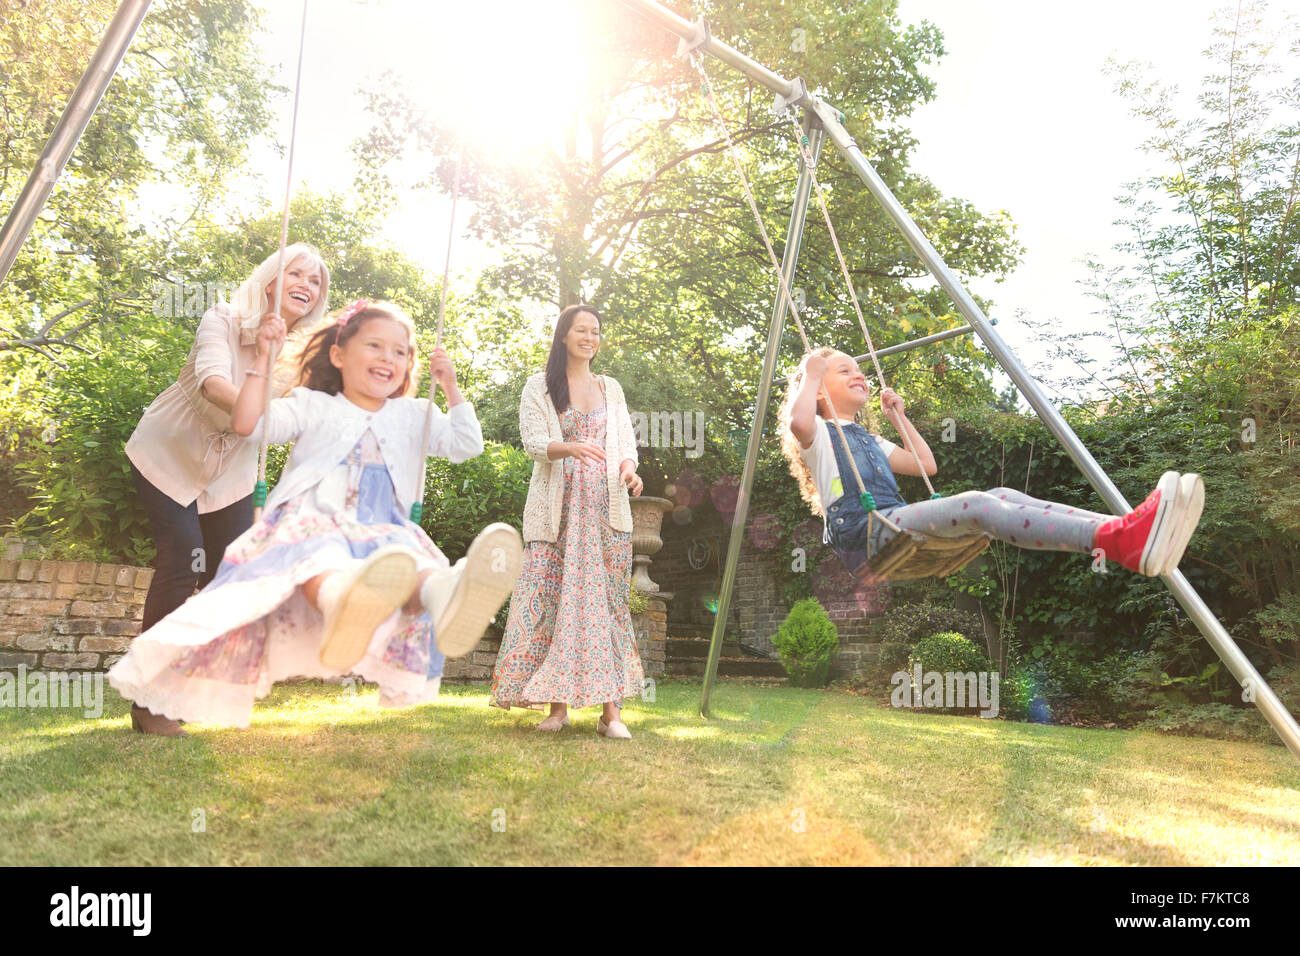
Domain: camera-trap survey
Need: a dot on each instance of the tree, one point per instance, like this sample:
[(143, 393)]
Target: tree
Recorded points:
[(189, 96), (637, 210)]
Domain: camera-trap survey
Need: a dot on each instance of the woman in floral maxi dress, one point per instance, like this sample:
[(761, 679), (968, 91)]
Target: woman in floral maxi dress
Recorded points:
[(569, 640)]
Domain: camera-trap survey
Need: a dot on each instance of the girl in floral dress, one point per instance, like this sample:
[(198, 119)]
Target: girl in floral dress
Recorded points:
[(568, 639), (335, 578)]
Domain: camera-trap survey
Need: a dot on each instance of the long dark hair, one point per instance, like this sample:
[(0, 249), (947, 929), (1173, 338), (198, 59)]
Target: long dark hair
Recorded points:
[(315, 369), (557, 378)]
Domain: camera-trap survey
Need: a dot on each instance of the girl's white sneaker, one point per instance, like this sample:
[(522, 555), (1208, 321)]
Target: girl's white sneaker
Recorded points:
[(367, 595), (463, 599), (1191, 501)]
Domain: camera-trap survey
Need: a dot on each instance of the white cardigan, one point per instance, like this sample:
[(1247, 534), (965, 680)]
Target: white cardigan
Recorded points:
[(539, 425), (326, 427)]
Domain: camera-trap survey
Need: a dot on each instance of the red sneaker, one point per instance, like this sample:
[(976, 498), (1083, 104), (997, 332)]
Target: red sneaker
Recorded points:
[(1142, 540)]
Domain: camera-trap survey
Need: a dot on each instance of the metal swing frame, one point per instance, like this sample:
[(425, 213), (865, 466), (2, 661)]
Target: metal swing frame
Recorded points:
[(821, 120), (824, 121)]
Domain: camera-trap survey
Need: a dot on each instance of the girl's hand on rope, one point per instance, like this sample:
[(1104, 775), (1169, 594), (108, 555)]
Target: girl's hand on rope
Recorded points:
[(815, 367), (631, 480), (441, 368), (585, 451), (271, 333), (891, 403)]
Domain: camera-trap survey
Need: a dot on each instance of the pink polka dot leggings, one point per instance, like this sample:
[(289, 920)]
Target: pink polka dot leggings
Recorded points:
[(1006, 514)]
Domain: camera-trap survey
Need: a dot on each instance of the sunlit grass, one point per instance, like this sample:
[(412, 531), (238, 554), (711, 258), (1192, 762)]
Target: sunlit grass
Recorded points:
[(780, 776)]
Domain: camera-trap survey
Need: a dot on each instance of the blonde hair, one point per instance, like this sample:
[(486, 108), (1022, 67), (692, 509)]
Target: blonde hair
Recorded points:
[(790, 447), (252, 300)]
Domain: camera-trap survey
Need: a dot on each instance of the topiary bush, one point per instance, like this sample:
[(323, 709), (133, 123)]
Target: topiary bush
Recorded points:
[(806, 642)]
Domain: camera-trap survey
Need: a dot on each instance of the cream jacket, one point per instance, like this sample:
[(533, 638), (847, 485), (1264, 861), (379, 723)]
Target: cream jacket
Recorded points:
[(539, 425), (183, 445)]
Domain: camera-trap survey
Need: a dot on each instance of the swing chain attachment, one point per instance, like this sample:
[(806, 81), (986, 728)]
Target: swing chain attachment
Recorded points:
[(798, 96), (700, 35)]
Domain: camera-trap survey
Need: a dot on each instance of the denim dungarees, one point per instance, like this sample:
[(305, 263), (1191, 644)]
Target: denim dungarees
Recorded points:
[(846, 521)]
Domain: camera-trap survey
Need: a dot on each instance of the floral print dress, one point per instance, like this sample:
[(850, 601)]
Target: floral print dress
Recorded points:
[(211, 658), (568, 637)]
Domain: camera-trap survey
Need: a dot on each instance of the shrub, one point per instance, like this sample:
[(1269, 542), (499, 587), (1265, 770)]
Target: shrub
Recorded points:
[(806, 641), (637, 602), (948, 652), (908, 624), (461, 498), (1018, 697)]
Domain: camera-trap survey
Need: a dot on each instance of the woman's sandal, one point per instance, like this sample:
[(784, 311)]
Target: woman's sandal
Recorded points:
[(551, 725), (614, 730)]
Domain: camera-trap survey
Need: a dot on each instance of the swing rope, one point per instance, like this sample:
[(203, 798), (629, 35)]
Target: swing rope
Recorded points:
[(417, 506), (259, 489), (865, 497), (801, 139)]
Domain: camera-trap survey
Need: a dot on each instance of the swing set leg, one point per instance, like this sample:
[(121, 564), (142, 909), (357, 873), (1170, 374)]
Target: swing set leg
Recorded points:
[(789, 258)]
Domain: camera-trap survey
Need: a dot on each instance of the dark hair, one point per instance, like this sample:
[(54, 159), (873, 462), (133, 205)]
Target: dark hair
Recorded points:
[(557, 378), (315, 369)]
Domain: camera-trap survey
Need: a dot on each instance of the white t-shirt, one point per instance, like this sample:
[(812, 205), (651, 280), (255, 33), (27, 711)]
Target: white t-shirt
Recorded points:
[(820, 459)]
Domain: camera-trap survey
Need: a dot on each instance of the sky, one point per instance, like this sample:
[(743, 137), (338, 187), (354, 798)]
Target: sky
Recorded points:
[(1024, 118)]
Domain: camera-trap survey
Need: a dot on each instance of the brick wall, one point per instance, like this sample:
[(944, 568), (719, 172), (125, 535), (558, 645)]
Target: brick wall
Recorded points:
[(756, 606), (64, 615)]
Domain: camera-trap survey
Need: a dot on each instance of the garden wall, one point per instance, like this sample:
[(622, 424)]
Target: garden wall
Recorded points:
[(65, 615), (757, 607)]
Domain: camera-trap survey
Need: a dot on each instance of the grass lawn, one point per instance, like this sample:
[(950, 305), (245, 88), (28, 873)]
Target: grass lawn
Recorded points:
[(780, 776)]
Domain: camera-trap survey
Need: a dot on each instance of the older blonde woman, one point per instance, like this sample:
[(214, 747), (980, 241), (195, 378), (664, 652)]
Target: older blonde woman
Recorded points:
[(568, 640), (193, 474)]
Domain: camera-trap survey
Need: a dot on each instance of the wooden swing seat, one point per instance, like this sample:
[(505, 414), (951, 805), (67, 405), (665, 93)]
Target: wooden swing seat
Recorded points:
[(911, 555)]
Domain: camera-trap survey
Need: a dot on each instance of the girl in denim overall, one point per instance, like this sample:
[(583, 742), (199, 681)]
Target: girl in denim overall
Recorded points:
[(1149, 540)]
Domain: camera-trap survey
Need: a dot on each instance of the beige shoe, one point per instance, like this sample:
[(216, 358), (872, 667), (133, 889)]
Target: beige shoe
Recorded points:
[(551, 725), (615, 729), (369, 594), (463, 599)]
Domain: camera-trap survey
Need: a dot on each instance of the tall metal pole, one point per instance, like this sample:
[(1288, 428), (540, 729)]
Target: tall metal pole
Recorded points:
[(789, 259), (76, 116), (1238, 664)]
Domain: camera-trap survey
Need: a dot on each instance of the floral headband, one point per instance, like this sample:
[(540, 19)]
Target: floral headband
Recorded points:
[(350, 311)]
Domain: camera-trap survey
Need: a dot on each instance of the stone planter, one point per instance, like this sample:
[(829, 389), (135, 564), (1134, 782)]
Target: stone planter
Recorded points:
[(647, 519)]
